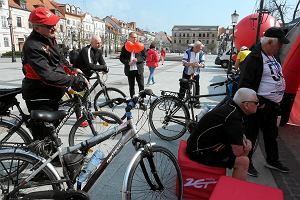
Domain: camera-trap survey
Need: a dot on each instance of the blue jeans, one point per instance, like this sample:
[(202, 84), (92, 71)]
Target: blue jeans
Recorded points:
[(151, 75)]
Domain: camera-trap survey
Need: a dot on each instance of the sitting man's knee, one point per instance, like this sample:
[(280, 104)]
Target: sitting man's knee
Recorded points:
[(242, 161)]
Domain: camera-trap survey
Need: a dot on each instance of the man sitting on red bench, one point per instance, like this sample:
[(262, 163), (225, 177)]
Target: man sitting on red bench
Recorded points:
[(218, 139)]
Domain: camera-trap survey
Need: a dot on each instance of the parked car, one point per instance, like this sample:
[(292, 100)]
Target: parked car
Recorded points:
[(223, 59)]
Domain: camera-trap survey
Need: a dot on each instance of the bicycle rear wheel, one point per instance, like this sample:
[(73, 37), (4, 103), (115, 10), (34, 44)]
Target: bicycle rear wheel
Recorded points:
[(168, 118), (16, 166), (102, 121), (9, 135), (111, 93), (158, 182)]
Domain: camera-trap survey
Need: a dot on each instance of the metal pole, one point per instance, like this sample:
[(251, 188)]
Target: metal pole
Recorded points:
[(231, 52), (13, 57), (260, 13)]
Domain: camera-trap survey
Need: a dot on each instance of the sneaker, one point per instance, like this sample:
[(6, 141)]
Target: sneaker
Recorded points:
[(277, 166), (197, 105), (84, 124), (252, 171)]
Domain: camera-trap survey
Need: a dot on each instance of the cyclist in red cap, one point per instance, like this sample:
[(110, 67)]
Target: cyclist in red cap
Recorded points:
[(46, 79)]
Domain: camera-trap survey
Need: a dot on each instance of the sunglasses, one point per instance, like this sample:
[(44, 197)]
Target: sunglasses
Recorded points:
[(255, 102), (47, 26)]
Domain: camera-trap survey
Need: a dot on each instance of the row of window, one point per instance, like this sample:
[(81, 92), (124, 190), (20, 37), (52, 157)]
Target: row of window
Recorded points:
[(192, 41), (4, 22), (194, 34)]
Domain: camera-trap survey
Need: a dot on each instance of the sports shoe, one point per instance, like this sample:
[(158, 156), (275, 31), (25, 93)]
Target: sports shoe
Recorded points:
[(84, 124), (277, 166), (252, 171)]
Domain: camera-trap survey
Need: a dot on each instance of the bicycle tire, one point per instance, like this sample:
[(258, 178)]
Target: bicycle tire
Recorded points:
[(167, 169), (19, 135), (112, 94), (164, 123), (41, 182), (79, 134)]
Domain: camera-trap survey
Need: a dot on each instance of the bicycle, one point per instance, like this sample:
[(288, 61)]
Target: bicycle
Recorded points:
[(170, 117), (153, 169), (104, 95), (11, 125)]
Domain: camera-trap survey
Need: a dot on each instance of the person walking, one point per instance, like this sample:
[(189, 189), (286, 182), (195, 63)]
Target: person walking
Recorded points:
[(152, 61), (46, 78), (133, 66), (218, 139), (163, 55), (262, 72), (244, 51), (193, 59)]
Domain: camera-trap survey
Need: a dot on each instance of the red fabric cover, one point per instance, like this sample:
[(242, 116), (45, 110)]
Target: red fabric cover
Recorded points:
[(234, 189), (198, 180), (295, 112)]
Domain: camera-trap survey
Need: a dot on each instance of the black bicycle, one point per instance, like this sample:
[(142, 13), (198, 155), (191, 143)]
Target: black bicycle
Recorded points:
[(153, 172), (170, 117), (11, 129)]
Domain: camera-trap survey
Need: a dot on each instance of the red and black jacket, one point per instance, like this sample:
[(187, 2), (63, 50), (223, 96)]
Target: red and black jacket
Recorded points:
[(45, 75)]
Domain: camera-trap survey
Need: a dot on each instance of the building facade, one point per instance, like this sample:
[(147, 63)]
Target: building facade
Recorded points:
[(183, 36)]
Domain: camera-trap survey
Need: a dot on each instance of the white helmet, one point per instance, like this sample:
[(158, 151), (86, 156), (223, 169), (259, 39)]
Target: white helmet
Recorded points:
[(243, 48)]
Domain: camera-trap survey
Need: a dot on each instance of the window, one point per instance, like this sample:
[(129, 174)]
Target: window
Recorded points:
[(61, 27), (193, 41), (179, 41), (187, 41), (19, 22), (175, 41), (184, 35), (199, 34), (6, 43), (207, 41), (213, 35), (193, 34), (3, 21), (68, 21), (23, 4), (187, 35)]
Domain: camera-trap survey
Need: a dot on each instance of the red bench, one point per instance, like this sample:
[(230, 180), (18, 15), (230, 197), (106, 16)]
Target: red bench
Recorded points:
[(199, 180), (234, 189)]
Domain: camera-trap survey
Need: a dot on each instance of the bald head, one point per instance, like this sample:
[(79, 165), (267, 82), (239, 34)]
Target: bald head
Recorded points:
[(95, 42), (247, 100)]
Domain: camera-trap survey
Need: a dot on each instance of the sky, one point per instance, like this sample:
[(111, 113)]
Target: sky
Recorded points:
[(162, 15)]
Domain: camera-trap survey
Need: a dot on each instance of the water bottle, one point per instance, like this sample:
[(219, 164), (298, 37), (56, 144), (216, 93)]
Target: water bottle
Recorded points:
[(202, 113), (90, 167)]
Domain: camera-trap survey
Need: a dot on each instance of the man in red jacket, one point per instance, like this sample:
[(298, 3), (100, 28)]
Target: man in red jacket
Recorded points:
[(46, 78)]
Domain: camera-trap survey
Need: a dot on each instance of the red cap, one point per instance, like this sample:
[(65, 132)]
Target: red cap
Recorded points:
[(42, 15)]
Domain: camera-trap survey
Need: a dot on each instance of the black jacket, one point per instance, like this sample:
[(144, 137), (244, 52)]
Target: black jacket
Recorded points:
[(45, 77), (97, 62), (125, 59)]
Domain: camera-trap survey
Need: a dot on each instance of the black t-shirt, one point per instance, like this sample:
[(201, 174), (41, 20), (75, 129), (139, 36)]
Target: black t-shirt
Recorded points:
[(217, 130)]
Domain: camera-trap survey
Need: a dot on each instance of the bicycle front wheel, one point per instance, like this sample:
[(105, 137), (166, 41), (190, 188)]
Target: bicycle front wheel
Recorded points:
[(168, 118), (9, 135), (101, 122), (16, 166), (154, 175), (104, 96)]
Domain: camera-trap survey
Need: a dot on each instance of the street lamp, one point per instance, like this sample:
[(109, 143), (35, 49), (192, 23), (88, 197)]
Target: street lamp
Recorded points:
[(234, 19), (9, 20)]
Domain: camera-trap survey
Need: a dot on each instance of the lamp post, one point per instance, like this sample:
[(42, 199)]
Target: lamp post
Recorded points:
[(234, 19), (9, 20)]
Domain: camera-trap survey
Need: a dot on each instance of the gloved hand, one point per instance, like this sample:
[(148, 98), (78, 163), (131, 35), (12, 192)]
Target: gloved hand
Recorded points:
[(79, 83)]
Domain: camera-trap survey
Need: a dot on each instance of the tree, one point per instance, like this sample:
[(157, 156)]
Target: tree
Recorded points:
[(282, 10)]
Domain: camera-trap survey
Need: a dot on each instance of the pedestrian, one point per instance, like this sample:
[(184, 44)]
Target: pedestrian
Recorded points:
[(134, 66), (90, 58), (152, 61), (244, 51), (73, 55), (46, 79), (262, 72), (193, 59), (162, 55), (218, 139)]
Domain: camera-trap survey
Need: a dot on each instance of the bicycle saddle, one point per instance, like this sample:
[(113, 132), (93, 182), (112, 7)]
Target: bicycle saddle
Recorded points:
[(47, 116), (183, 80)]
